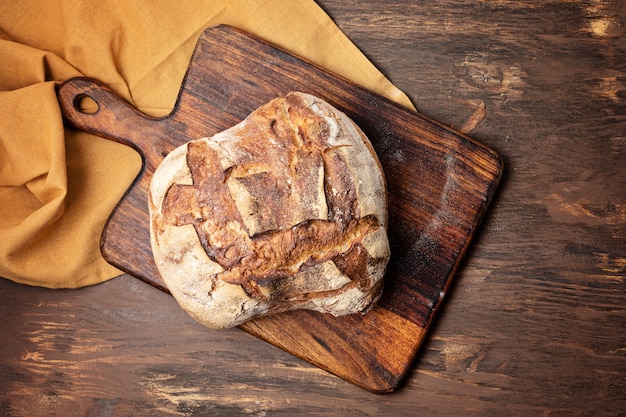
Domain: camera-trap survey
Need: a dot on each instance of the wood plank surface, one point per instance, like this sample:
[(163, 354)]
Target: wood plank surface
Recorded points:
[(535, 323), (439, 186)]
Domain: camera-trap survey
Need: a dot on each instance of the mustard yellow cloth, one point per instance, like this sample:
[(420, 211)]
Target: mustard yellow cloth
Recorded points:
[(58, 186)]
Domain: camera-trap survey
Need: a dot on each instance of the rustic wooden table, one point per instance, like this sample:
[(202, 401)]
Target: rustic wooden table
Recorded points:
[(535, 323)]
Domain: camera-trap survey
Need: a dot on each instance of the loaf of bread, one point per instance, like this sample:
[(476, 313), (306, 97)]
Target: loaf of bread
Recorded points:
[(285, 210)]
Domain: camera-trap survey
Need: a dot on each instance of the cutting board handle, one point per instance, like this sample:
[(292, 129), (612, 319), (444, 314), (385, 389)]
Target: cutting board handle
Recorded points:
[(93, 107)]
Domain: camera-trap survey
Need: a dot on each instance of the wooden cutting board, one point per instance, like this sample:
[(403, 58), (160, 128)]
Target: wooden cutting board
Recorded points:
[(440, 184)]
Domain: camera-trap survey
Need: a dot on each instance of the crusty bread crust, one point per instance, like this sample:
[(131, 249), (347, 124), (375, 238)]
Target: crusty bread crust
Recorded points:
[(285, 210)]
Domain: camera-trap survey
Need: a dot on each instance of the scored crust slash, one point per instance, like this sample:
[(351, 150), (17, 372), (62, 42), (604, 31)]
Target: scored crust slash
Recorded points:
[(285, 210)]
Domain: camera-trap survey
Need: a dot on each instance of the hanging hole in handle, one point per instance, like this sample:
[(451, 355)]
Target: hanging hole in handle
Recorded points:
[(86, 104)]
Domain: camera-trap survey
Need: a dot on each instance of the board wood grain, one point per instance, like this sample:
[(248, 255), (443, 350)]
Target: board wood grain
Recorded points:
[(440, 184)]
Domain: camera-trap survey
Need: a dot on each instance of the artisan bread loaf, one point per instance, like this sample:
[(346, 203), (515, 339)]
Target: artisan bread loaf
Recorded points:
[(285, 210)]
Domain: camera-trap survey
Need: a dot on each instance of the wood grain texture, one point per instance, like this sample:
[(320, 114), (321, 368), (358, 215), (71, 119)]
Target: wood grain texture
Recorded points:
[(535, 323), (439, 186)]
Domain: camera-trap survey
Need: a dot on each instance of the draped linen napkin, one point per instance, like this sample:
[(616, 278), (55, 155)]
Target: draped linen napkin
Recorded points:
[(58, 186)]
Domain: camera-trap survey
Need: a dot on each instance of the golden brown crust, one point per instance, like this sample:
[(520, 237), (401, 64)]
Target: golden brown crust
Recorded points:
[(289, 205)]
